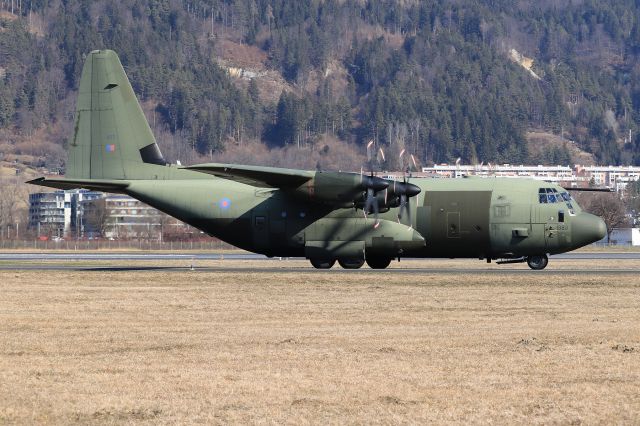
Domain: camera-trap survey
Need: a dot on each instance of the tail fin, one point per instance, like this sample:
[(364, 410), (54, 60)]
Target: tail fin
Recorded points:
[(111, 137)]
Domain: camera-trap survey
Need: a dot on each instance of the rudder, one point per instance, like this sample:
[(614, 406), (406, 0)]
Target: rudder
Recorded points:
[(111, 137)]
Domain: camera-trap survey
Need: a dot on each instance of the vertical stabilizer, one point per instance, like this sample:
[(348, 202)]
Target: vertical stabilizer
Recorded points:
[(111, 137)]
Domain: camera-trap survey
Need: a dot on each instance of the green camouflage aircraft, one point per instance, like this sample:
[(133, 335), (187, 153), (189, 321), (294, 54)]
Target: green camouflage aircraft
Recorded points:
[(324, 216)]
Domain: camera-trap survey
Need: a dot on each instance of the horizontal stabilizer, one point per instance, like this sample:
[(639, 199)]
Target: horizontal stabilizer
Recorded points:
[(116, 186), (263, 177)]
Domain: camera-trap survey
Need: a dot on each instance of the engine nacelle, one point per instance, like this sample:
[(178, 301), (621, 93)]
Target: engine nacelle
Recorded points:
[(340, 189)]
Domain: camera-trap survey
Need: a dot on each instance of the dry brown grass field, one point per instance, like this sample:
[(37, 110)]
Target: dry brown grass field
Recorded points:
[(268, 345)]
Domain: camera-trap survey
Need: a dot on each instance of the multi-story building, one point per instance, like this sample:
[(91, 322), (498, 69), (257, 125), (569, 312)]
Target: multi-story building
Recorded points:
[(87, 214), (50, 213), (614, 177), (58, 213), (127, 217), (550, 173)]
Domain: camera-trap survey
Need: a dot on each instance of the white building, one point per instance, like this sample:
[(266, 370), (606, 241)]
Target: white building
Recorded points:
[(614, 177), (50, 213), (56, 214), (550, 173), (129, 218), (75, 214), (623, 237)]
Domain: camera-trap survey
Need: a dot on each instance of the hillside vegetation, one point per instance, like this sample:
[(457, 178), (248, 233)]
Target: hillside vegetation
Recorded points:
[(223, 79)]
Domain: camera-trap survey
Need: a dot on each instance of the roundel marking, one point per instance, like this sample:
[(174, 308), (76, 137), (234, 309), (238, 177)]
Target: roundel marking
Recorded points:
[(224, 203)]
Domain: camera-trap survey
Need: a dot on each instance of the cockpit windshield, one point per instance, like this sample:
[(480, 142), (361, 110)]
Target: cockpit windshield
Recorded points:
[(553, 196)]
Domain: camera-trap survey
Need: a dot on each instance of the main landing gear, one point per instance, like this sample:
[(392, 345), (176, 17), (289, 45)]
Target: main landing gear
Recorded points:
[(351, 263), (373, 262), (378, 262), (319, 263)]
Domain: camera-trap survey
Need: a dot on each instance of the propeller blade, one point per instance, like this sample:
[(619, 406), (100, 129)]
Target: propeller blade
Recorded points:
[(405, 207), (376, 210), (371, 206)]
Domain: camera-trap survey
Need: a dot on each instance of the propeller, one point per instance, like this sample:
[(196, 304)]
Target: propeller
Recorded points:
[(372, 186), (405, 190)]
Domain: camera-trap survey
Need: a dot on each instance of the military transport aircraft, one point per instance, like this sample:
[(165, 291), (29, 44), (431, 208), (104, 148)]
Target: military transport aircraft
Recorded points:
[(326, 217)]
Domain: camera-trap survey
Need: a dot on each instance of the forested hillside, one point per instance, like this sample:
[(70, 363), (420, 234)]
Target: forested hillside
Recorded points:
[(228, 79)]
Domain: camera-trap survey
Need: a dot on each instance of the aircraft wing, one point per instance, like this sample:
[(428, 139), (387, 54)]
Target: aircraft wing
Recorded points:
[(117, 186), (589, 189), (263, 177)]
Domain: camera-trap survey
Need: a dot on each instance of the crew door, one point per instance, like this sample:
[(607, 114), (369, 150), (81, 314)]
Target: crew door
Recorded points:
[(260, 226)]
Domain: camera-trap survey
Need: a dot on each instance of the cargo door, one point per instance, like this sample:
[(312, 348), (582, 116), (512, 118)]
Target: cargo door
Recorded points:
[(459, 222)]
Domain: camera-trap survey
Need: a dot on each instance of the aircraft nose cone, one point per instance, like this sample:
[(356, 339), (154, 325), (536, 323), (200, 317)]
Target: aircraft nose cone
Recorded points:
[(586, 229)]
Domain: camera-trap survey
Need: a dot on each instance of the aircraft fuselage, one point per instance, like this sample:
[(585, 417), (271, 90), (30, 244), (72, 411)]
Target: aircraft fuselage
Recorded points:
[(451, 218)]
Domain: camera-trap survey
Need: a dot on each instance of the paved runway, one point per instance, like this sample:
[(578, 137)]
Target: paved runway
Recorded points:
[(25, 261), (20, 256)]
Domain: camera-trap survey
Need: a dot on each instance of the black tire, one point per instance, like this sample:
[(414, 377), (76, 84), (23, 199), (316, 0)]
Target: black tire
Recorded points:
[(322, 263), (351, 263), (538, 262), (378, 262)]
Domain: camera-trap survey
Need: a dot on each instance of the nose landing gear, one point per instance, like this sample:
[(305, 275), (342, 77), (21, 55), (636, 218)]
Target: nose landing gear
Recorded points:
[(537, 262)]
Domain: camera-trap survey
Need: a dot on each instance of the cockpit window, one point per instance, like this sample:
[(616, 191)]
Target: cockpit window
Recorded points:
[(552, 195), (542, 196)]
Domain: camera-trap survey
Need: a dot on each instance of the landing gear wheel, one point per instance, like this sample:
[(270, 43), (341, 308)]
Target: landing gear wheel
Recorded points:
[(538, 262), (378, 262), (351, 263), (322, 263)]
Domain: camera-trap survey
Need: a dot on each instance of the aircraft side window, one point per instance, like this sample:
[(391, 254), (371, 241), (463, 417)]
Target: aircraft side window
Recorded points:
[(561, 216), (566, 196)]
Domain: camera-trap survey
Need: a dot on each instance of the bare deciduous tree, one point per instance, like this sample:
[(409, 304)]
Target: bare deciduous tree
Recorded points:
[(13, 206), (96, 216)]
